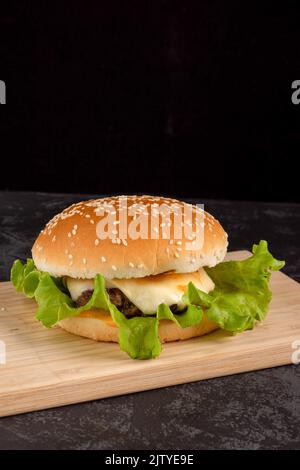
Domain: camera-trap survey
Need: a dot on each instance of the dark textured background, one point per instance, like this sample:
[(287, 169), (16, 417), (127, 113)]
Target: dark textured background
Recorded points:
[(257, 410), (190, 98)]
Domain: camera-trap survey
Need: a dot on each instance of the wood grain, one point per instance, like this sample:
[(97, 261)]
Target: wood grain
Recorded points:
[(46, 368)]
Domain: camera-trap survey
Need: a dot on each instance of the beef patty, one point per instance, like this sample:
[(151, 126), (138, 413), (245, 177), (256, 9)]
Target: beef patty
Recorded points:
[(116, 297), (120, 300)]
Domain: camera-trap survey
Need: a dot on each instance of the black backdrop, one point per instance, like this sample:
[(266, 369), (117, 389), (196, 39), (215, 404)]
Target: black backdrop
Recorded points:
[(189, 98)]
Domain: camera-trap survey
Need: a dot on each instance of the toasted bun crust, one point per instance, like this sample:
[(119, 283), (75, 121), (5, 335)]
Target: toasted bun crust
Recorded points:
[(70, 245), (99, 330)]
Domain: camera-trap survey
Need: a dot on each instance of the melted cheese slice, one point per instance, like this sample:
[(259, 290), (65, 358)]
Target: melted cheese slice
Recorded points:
[(148, 292), (77, 286)]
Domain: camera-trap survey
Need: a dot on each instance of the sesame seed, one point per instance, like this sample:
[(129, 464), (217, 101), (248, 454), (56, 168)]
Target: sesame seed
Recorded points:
[(116, 222), (124, 241), (167, 250), (97, 242), (74, 232), (193, 260), (70, 256), (84, 260), (155, 229), (114, 267), (69, 234), (87, 216), (131, 264), (115, 232), (2, 309), (179, 249), (171, 242), (92, 221), (75, 227), (66, 251), (103, 259), (54, 238), (118, 240), (176, 255), (179, 242)]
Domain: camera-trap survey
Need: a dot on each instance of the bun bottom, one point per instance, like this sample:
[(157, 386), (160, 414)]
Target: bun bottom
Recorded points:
[(98, 330)]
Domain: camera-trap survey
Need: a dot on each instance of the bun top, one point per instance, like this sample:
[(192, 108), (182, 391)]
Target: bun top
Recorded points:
[(129, 236)]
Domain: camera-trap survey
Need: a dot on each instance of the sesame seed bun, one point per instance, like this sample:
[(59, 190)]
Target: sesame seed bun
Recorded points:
[(70, 244), (98, 330)]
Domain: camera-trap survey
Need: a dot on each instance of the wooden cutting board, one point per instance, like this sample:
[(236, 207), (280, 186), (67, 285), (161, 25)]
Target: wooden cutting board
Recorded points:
[(46, 368)]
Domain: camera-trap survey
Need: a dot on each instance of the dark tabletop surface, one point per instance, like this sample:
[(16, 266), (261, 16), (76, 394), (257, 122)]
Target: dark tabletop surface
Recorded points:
[(256, 410)]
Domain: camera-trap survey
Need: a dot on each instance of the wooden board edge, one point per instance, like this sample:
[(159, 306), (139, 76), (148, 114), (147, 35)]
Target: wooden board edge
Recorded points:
[(70, 392)]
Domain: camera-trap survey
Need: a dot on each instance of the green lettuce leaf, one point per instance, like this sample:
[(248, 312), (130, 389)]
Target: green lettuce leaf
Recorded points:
[(189, 317), (241, 295), (138, 336), (19, 272), (240, 298)]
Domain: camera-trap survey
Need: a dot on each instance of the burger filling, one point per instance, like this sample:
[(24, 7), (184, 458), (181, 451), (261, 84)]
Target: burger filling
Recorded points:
[(120, 300), (141, 296), (116, 297)]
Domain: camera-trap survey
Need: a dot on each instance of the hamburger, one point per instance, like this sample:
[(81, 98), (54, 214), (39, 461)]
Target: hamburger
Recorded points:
[(142, 271)]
